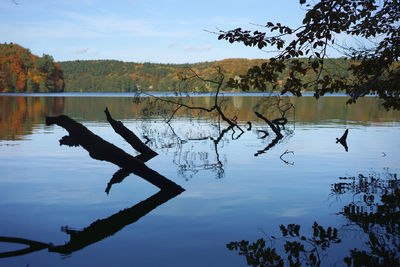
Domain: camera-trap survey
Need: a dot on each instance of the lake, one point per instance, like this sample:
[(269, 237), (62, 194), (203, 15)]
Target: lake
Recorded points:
[(238, 186)]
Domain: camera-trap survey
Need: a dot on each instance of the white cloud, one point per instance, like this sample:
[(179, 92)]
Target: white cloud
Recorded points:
[(197, 49), (111, 25), (81, 50), (172, 44)]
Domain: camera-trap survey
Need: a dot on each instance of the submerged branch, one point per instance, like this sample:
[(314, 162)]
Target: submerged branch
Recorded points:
[(216, 106), (100, 149), (273, 127), (146, 152)]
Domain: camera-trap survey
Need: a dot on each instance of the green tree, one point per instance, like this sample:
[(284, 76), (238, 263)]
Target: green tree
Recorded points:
[(45, 63), (13, 82), (43, 86), (374, 67), (31, 86)]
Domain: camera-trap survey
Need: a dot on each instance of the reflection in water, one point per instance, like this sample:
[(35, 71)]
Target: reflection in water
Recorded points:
[(211, 151), (188, 166), (284, 160), (96, 231), (104, 228), (32, 246), (276, 125), (100, 149), (300, 249), (19, 114), (374, 211), (342, 140)]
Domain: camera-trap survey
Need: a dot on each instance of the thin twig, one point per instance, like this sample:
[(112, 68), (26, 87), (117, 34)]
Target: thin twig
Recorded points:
[(285, 161)]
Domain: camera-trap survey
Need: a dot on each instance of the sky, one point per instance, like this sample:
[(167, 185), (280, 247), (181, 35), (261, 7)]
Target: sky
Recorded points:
[(158, 31)]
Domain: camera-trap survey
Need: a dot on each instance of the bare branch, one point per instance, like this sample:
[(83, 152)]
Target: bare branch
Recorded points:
[(285, 161)]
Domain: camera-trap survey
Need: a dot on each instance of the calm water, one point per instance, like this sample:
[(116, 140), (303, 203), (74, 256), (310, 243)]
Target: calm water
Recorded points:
[(231, 194)]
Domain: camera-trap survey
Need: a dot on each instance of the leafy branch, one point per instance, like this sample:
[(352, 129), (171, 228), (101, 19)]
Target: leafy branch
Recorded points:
[(373, 70)]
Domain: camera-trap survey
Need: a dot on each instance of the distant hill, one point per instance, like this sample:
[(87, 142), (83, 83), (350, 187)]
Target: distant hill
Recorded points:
[(21, 71), (119, 76), (113, 75)]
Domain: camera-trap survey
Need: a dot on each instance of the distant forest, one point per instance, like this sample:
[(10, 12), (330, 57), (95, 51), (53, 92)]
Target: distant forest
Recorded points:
[(118, 76), (21, 71)]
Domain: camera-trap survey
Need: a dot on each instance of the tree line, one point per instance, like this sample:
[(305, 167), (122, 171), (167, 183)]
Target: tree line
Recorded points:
[(119, 76), (21, 71)]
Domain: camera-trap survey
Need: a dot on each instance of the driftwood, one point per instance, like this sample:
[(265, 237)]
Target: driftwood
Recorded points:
[(100, 149)]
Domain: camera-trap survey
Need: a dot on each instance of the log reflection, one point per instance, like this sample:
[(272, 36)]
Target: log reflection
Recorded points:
[(104, 228), (100, 149), (95, 232)]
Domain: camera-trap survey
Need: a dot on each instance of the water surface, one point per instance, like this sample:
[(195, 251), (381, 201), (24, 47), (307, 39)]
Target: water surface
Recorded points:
[(231, 194)]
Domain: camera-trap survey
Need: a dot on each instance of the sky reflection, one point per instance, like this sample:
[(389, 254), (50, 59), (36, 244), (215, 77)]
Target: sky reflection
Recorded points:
[(46, 186)]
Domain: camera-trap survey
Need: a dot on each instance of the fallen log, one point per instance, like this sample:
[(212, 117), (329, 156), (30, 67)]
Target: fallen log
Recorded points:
[(100, 149), (137, 144)]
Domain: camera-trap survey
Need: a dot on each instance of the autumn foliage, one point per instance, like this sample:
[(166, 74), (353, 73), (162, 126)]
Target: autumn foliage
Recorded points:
[(23, 72)]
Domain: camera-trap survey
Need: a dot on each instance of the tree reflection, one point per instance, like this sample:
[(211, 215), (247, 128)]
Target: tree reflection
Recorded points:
[(298, 248), (374, 210), (197, 144), (223, 124), (104, 228), (95, 232)]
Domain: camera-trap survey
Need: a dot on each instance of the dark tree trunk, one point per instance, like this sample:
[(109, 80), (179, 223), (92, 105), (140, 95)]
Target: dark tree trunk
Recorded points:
[(100, 149)]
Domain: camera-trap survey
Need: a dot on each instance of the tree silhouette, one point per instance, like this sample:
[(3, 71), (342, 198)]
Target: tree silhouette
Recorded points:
[(373, 211), (374, 67)]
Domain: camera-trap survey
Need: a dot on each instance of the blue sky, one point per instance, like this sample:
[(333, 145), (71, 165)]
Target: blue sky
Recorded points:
[(169, 31)]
